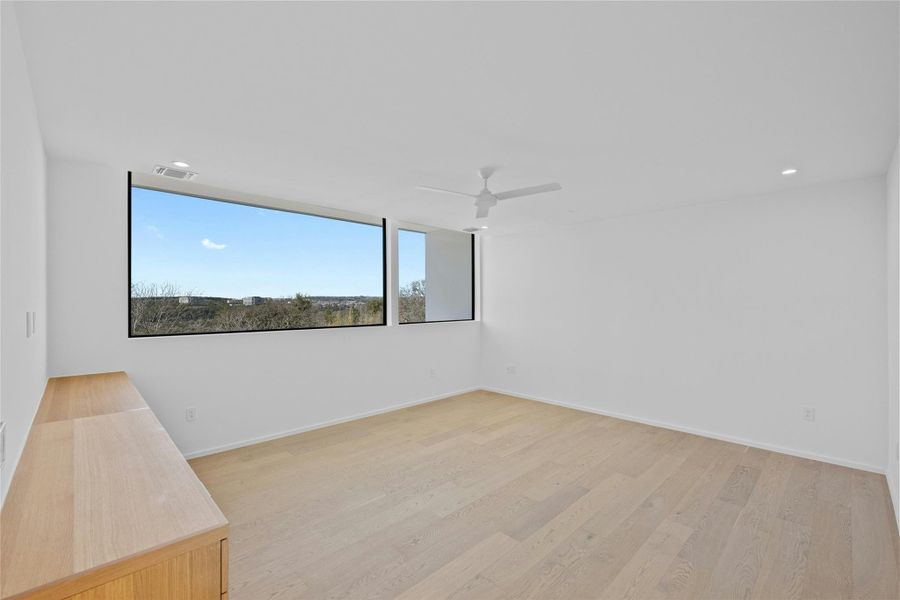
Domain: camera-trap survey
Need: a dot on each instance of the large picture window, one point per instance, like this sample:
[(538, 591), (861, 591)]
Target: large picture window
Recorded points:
[(204, 265), (436, 274)]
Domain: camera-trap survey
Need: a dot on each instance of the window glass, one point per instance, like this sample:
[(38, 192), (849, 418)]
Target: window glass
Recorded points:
[(435, 273), (411, 270), (202, 265)]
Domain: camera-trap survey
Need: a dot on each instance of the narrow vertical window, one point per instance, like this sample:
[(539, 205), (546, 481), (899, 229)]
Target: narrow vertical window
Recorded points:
[(435, 274)]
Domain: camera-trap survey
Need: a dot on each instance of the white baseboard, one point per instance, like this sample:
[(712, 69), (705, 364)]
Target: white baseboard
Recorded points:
[(625, 417), (716, 436), (320, 425)]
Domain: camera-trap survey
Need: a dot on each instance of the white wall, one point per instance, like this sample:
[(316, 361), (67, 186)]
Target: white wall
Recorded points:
[(23, 267), (246, 385), (892, 187), (723, 318), (448, 275)]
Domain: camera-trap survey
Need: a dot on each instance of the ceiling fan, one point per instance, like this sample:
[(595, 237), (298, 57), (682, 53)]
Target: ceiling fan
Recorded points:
[(485, 199)]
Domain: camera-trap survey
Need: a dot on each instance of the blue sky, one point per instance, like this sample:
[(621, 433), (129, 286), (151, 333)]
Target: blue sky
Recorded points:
[(411, 256), (215, 248)]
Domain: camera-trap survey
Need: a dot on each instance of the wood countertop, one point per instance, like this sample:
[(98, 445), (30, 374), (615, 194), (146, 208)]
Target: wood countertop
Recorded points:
[(99, 483)]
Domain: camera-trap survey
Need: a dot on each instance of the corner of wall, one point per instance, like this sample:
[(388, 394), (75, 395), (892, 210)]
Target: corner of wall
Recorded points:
[(23, 248), (892, 224)]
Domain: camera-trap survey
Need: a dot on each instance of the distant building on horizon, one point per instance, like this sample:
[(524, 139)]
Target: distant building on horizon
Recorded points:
[(253, 300), (193, 300)]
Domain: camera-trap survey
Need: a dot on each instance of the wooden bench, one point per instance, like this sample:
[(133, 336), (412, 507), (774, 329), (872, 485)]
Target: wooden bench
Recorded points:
[(103, 505)]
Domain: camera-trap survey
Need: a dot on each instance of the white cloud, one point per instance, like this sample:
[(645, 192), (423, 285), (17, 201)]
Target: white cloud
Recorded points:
[(207, 243), (155, 231)]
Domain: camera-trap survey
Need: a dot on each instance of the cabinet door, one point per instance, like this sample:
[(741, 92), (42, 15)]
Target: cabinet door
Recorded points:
[(194, 575)]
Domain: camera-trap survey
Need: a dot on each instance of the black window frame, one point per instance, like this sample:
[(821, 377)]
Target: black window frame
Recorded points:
[(384, 268), (472, 309)]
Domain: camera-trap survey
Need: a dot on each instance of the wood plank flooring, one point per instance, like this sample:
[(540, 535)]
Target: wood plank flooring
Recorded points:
[(485, 496)]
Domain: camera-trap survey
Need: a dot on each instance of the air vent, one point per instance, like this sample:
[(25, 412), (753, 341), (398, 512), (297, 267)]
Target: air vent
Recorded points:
[(174, 173)]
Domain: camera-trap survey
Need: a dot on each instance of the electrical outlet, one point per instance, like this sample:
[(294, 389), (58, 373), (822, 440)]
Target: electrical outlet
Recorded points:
[(809, 413), (511, 370), (190, 413), (2, 444)]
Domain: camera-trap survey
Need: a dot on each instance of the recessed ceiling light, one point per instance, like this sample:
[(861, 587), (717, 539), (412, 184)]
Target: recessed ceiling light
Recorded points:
[(483, 227), (180, 163), (790, 171)]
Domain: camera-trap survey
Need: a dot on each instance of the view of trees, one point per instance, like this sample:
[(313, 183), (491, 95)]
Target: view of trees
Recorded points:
[(412, 302), (165, 309)]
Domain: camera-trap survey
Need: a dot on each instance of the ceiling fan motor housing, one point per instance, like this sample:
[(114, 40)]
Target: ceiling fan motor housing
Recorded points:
[(485, 198)]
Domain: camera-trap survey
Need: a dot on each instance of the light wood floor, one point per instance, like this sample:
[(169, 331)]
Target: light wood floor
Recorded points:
[(487, 496)]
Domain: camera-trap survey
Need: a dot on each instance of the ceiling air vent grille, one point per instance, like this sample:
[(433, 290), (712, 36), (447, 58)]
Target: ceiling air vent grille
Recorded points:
[(172, 173)]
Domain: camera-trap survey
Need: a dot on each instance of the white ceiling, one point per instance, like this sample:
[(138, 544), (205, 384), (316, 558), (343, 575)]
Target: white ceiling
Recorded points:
[(630, 106)]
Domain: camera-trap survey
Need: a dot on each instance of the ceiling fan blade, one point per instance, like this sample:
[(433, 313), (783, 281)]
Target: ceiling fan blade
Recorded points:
[(443, 191), (482, 211), (537, 189)]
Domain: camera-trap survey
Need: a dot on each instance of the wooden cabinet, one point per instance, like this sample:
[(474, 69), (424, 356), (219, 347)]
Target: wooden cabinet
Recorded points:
[(104, 506), (194, 575)]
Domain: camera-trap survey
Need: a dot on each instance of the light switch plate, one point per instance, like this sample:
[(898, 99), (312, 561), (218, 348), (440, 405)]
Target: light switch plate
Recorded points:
[(30, 319)]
